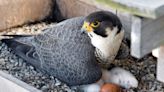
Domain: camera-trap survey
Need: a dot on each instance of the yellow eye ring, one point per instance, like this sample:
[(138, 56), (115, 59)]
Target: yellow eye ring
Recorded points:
[(95, 24)]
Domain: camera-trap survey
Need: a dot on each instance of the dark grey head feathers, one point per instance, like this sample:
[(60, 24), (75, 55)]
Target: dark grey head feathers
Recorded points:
[(105, 19)]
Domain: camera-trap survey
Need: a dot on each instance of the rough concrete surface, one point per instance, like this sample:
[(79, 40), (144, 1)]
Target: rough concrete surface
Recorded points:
[(17, 12)]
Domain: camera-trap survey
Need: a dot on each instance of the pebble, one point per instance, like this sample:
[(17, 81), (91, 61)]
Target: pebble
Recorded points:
[(57, 82), (16, 63), (20, 62), (2, 61), (12, 61), (92, 88), (44, 87), (31, 67)]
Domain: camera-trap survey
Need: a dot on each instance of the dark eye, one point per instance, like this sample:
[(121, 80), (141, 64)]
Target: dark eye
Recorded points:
[(95, 24)]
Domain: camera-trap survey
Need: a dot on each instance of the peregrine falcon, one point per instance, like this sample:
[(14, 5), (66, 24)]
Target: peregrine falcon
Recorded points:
[(66, 52), (106, 33), (63, 51)]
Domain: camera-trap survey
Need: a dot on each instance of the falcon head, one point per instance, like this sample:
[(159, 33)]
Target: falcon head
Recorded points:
[(101, 22), (106, 33)]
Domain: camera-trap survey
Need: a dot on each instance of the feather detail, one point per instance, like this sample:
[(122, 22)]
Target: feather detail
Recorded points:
[(62, 51)]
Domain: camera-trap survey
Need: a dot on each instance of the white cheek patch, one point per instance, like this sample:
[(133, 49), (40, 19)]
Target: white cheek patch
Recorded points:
[(109, 45), (114, 41), (112, 33), (96, 40)]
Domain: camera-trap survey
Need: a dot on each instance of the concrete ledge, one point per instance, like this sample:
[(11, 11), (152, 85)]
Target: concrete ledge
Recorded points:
[(11, 84), (17, 12)]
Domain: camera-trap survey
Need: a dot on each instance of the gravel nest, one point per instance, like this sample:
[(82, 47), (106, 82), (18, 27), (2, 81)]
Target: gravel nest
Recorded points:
[(144, 69), (14, 65)]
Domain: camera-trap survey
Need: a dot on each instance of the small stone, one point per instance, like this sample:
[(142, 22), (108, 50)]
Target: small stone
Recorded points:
[(16, 63), (44, 87), (57, 82), (2, 62), (12, 61), (19, 31), (36, 77), (31, 67)]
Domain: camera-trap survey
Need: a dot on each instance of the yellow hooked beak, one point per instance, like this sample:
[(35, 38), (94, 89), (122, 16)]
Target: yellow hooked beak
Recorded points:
[(87, 27)]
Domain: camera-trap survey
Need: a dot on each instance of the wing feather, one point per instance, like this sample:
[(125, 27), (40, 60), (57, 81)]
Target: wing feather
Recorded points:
[(62, 51)]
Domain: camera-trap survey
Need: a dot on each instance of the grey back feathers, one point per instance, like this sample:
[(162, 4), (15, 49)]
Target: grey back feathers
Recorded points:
[(62, 51)]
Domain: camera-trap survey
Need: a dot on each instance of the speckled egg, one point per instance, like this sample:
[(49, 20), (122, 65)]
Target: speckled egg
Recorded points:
[(110, 88)]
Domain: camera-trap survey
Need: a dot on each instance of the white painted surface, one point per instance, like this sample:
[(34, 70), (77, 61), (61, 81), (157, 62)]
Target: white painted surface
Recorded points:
[(151, 4), (10, 84), (151, 8), (146, 35), (155, 52), (160, 65)]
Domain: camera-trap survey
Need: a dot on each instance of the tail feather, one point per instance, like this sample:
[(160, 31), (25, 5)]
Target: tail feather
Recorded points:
[(9, 42), (25, 51), (17, 36), (14, 40)]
